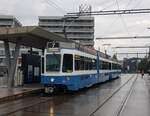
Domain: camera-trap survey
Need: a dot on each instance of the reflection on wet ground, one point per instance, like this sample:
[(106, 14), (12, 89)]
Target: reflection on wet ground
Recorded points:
[(81, 103)]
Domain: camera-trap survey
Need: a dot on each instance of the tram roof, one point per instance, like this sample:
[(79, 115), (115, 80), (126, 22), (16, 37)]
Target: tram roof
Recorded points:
[(31, 36)]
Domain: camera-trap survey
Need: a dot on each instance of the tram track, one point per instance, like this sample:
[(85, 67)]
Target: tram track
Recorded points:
[(41, 100), (119, 110), (126, 98), (14, 106)]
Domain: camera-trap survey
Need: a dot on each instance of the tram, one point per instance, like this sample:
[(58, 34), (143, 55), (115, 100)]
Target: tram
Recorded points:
[(73, 67)]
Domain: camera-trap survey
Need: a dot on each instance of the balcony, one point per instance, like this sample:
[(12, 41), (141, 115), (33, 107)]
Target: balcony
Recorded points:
[(6, 23), (50, 24), (86, 43), (80, 36), (81, 30), (54, 29), (69, 30), (66, 24)]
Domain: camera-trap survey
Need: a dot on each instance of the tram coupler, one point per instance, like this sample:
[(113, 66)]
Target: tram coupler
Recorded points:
[(49, 89)]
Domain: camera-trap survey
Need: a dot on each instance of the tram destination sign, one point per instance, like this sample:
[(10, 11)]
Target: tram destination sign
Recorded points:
[(52, 46)]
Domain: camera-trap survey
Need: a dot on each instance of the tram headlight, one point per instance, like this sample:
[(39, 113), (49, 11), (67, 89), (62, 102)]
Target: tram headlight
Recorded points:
[(52, 79), (68, 78)]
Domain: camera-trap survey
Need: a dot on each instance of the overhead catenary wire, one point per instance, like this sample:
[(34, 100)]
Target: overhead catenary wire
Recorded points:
[(118, 47), (131, 53), (110, 26), (58, 6), (51, 3), (125, 37), (60, 3), (122, 19), (111, 12), (102, 3)]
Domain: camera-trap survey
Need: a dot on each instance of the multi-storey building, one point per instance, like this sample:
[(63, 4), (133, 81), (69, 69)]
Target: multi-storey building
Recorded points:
[(7, 21), (79, 29)]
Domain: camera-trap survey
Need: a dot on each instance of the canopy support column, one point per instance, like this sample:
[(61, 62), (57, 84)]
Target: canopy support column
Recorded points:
[(11, 64), (7, 55)]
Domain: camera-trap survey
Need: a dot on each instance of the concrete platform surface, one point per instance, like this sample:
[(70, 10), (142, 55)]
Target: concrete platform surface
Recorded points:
[(139, 101), (18, 92)]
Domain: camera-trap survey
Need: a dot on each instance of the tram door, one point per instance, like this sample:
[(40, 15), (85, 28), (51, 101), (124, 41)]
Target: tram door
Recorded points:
[(31, 68)]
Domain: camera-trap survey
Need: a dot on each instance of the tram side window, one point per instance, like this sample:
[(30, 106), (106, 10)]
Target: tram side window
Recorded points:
[(84, 63), (116, 66), (109, 66), (93, 64), (67, 63), (42, 64), (105, 65), (90, 64), (100, 64), (113, 66), (77, 62)]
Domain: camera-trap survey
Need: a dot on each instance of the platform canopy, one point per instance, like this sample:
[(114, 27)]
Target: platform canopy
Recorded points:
[(30, 36)]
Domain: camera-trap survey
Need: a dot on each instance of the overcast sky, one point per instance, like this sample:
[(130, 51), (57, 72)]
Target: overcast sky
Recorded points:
[(27, 12)]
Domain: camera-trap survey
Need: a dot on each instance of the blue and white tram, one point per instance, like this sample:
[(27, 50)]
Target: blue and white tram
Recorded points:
[(73, 69)]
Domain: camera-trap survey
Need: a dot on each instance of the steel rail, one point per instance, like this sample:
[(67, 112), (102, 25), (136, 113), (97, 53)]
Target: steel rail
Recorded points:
[(109, 97), (39, 101), (126, 98)]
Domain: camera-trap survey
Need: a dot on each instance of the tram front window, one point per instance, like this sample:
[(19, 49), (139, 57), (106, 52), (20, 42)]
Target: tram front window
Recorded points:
[(53, 62)]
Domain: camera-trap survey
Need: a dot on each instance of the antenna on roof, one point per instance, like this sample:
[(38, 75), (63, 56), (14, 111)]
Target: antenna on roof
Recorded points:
[(83, 8)]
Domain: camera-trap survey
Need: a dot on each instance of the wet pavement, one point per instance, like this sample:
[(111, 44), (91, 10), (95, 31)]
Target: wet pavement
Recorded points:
[(82, 103), (7, 94), (4, 91), (113, 105), (139, 101)]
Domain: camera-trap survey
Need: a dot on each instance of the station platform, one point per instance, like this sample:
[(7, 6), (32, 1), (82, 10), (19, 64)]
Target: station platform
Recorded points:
[(7, 95), (139, 101)]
